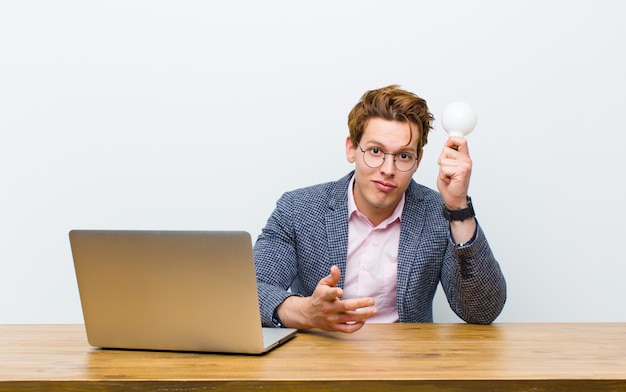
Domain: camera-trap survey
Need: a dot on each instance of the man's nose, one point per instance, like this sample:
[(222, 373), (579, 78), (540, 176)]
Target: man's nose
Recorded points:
[(389, 164)]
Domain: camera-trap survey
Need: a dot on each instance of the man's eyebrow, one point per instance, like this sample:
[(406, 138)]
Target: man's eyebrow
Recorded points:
[(380, 145)]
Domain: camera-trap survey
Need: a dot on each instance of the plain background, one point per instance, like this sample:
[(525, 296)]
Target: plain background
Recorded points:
[(197, 115)]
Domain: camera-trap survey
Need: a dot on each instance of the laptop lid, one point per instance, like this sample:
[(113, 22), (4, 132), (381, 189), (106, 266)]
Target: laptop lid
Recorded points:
[(171, 290)]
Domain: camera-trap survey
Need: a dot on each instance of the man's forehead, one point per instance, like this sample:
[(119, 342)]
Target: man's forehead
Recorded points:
[(398, 133)]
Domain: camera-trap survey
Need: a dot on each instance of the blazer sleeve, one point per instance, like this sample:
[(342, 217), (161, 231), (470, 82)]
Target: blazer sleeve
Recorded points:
[(275, 259), (473, 282), (294, 250)]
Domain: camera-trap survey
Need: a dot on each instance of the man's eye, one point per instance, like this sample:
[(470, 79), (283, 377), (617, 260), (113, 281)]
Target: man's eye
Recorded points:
[(375, 151), (405, 157)]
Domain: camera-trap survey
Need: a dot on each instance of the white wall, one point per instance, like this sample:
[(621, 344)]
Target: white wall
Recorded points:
[(198, 115)]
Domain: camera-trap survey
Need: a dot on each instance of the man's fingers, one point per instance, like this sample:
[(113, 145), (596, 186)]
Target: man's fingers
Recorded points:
[(331, 294), (349, 328), (357, 303), (332, 278), (356, 316), (457, 143), (347, 315)]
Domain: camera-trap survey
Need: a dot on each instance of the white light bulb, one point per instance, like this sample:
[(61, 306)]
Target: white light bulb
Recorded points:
[(458, 119)]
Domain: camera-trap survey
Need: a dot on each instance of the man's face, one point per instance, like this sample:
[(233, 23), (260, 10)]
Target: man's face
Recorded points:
[(377, 191)]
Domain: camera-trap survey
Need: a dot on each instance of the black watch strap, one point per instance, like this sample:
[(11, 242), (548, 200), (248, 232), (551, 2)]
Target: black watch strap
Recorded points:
[(276, 320), (460, 214)]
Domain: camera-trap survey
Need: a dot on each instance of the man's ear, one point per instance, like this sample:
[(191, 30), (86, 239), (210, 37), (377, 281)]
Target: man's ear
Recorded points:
[(350, 150)]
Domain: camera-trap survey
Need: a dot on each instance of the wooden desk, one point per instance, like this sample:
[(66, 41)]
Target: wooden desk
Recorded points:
[(397, 357)]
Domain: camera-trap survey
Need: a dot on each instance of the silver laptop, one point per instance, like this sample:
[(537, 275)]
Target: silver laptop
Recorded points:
[(171, 290)]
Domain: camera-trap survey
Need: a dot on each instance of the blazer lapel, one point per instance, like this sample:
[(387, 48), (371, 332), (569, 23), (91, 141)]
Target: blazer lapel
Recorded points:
[(337, 227), (413, 223)]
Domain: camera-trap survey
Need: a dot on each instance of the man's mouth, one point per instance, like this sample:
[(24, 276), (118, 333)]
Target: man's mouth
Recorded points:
[(384, 186)]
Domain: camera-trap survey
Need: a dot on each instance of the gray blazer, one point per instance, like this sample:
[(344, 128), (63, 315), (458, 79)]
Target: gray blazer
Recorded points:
[(308, 233)]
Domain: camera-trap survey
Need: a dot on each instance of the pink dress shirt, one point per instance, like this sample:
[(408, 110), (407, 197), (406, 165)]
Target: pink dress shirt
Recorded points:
[(372, 263)]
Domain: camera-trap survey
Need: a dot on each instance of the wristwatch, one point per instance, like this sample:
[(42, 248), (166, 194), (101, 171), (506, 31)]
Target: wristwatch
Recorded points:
[(276, 320), (460, 214)]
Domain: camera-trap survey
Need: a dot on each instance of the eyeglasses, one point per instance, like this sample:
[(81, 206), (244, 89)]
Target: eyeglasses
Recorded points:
[(374, 157)]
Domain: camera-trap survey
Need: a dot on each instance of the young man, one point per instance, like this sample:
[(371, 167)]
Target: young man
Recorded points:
[(374, 245)]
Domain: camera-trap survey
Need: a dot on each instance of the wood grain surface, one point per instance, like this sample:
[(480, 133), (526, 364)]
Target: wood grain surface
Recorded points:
[(518, 356)]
